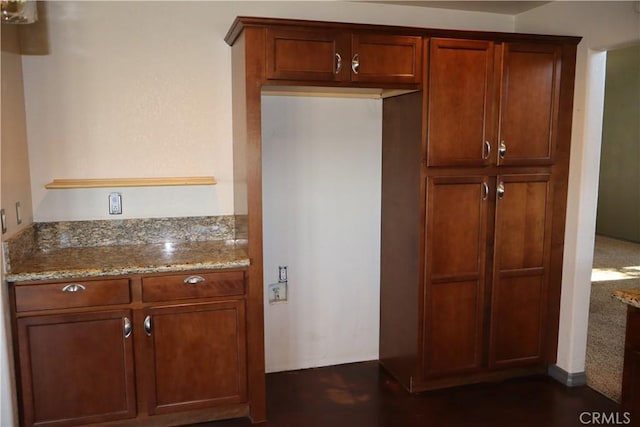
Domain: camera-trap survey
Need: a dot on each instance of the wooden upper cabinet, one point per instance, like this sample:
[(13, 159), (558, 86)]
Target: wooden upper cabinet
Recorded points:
[(492, 103), (325, 55), (382, 58), (459, 91), (320, 55), (528, 103)]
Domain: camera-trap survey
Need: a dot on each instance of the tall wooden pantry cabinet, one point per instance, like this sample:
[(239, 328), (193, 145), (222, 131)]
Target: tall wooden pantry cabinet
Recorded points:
[(473, 211)]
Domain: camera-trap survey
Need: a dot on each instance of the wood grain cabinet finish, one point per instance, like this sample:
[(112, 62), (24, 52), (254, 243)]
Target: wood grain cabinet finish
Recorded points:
[(138, 350), (492, 103), (520, 270), (461, 76), (338, 56), (76, 368), (492, 180), (455, 274), (196, 354)]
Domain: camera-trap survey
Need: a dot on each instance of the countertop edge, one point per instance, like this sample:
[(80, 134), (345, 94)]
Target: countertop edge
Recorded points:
[(125, 271)]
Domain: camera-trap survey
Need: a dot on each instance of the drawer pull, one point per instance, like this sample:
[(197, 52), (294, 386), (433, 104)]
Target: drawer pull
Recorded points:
[(74, 287), (194, 280)]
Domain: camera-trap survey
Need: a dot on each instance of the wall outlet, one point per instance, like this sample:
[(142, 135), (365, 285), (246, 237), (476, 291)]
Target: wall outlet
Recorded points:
[(278, 292), (115, 204), (282, 273)]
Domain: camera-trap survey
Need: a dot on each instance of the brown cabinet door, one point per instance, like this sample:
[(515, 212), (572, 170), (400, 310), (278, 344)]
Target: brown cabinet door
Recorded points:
[(455, 270), (521, 267), (196, 355), (381, 58), (460, 101), (317, 55), (528, 104), (76, 368)]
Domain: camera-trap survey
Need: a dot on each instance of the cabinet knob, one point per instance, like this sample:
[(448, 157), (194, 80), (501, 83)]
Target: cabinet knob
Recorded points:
[(338, 63), (502, 150), (147, 325), (193, 280), (74, 287), (355, 63)]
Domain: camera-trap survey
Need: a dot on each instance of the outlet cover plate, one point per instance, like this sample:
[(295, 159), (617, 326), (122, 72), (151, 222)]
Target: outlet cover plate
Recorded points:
[(278, 293)]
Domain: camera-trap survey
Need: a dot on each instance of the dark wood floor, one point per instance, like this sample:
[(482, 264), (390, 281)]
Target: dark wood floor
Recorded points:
[(364, 395)]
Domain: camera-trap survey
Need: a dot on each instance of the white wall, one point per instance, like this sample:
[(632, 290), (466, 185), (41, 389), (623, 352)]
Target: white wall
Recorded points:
[(321, 215), (602, 25), (143, 89)]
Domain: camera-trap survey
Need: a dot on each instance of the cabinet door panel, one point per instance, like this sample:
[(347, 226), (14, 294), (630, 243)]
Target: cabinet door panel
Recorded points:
[(517, 319), (76, 368), (454, 274), (460, 87), (529, 103), (307, 55), (198, 356), (453, 335), (521, 224), (384, 58), (456, 227), (521, 267)]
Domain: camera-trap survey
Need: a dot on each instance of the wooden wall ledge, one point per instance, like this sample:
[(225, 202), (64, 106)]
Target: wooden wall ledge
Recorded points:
[(129, 182)]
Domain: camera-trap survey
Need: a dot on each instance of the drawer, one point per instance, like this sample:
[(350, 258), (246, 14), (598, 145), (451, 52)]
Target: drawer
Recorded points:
[(196, 285), (84, 293)]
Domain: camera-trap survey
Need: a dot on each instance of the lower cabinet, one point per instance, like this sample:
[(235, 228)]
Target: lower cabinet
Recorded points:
[(487, 250), (196, 354), (172, 351), (76, 368)]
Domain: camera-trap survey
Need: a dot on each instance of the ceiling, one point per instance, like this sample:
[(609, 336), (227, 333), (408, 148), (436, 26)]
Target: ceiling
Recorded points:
[(503, 7)]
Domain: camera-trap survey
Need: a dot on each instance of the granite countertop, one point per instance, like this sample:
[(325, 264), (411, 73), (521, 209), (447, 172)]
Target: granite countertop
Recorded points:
[(51, 251), (628, 296), (64, 263)]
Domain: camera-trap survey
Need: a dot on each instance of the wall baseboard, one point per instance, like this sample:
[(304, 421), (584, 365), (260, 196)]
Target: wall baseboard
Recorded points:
[(569, 379)]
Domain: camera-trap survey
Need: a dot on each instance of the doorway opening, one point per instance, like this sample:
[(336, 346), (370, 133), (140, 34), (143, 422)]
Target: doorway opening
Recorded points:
[(616, 262)]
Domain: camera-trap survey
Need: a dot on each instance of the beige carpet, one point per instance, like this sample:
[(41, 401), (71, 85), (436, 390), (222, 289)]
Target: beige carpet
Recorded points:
[(616, 265)]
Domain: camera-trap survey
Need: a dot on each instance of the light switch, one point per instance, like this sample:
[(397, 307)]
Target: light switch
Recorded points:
[(115, 204)]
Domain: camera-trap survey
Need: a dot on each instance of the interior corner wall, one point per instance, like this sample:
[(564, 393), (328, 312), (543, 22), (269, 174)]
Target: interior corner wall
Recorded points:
[(619, 187), (602, 25)]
